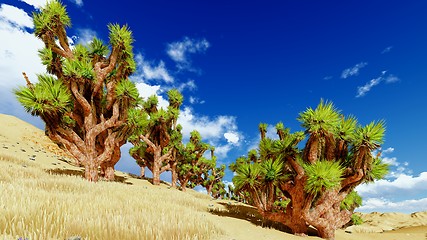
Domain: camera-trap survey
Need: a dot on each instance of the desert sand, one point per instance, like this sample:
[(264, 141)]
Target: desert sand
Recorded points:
[(238, 221)]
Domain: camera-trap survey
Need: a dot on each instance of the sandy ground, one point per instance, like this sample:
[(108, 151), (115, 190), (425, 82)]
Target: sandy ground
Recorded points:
[(239, 222)]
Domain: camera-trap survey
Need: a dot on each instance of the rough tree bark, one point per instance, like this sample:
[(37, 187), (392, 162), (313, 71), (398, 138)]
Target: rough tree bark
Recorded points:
[(92, 137)]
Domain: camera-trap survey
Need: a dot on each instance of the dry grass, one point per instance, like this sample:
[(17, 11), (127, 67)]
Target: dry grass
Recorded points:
[(37, 205)]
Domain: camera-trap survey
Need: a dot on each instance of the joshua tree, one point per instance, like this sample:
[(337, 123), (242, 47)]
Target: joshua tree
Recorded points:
[(315, 185), (191, 162), (212, 180), (85, 98), (156, 135)]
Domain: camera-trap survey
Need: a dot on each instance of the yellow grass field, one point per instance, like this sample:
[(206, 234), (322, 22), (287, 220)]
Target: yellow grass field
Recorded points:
[(43, 197)]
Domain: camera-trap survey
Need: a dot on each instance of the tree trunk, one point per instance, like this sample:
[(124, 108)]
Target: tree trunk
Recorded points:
[(174, 174), (209, 189), (326, 232), (184, 185), (107, 170), (107, 167), (91, 171), (142, 174), (156, 172), (292, 220), (311, 151)]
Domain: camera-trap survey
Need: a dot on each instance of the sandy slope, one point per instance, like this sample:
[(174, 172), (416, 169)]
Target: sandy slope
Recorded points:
[(239, 222)]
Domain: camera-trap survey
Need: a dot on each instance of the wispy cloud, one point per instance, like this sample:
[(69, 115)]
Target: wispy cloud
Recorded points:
[(389, 194), (18, 53), (213, 130), (77, 2), (190, 84), (385, 205), (353, 71), (35, 3), (147, 71), (232, 137), (85, 35), (387, 49), (363, 90), (180, 51), (403, 184), (15, 17), (195, 100)]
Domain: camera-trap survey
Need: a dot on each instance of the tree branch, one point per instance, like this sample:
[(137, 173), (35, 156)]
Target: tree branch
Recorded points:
[(80, 99)]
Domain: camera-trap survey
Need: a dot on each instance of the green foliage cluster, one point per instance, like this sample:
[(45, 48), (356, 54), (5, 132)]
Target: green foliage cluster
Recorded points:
[(280, 177)]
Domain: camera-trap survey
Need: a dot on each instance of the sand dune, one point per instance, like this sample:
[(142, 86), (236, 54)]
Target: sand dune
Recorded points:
[(238, 221)]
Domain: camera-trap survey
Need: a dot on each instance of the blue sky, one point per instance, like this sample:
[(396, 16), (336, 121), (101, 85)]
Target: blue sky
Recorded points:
[(239, 63)]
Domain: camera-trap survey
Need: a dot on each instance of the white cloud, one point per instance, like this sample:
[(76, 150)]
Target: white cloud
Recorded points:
[(353, 71), (18, 53), (78, 2), (384, 205), (85, 36), (362, 90), (391, 79), (391, 161), (180, 51), (148, 72), (191, 85), (195, 100), (271, 133), (387, 49), (212, 130), (403, 184), (146, 91), (15, 17), (207, 127), (222, 150), (232, 137), (35, 3), (388, 150)]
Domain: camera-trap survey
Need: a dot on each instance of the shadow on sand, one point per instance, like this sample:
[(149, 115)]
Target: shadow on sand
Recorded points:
[(250, 214), (80, 173)]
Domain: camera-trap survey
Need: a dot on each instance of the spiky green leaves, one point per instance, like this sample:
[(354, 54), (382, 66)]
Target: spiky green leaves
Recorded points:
[(325, 118), (120, 36), (121, 39), (378, 170), (46, 56), (150, 105), (273, 171), (371, 135), (81, 52), (47, 97), (195, 136), (80, 69), (351, 201), (356, 219), (175, 98), (346, 128), (322, 176), (247, 177), (97, 47), (126, 89), (50, 17)]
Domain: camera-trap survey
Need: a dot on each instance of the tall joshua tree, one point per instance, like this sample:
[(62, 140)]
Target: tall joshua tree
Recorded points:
[(85, 97), (192, 165), (156, 136), (314, 185)]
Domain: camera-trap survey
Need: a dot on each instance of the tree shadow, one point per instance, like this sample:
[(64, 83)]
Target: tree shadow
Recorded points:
[(250, 214), (79, 173), (147, 179)]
